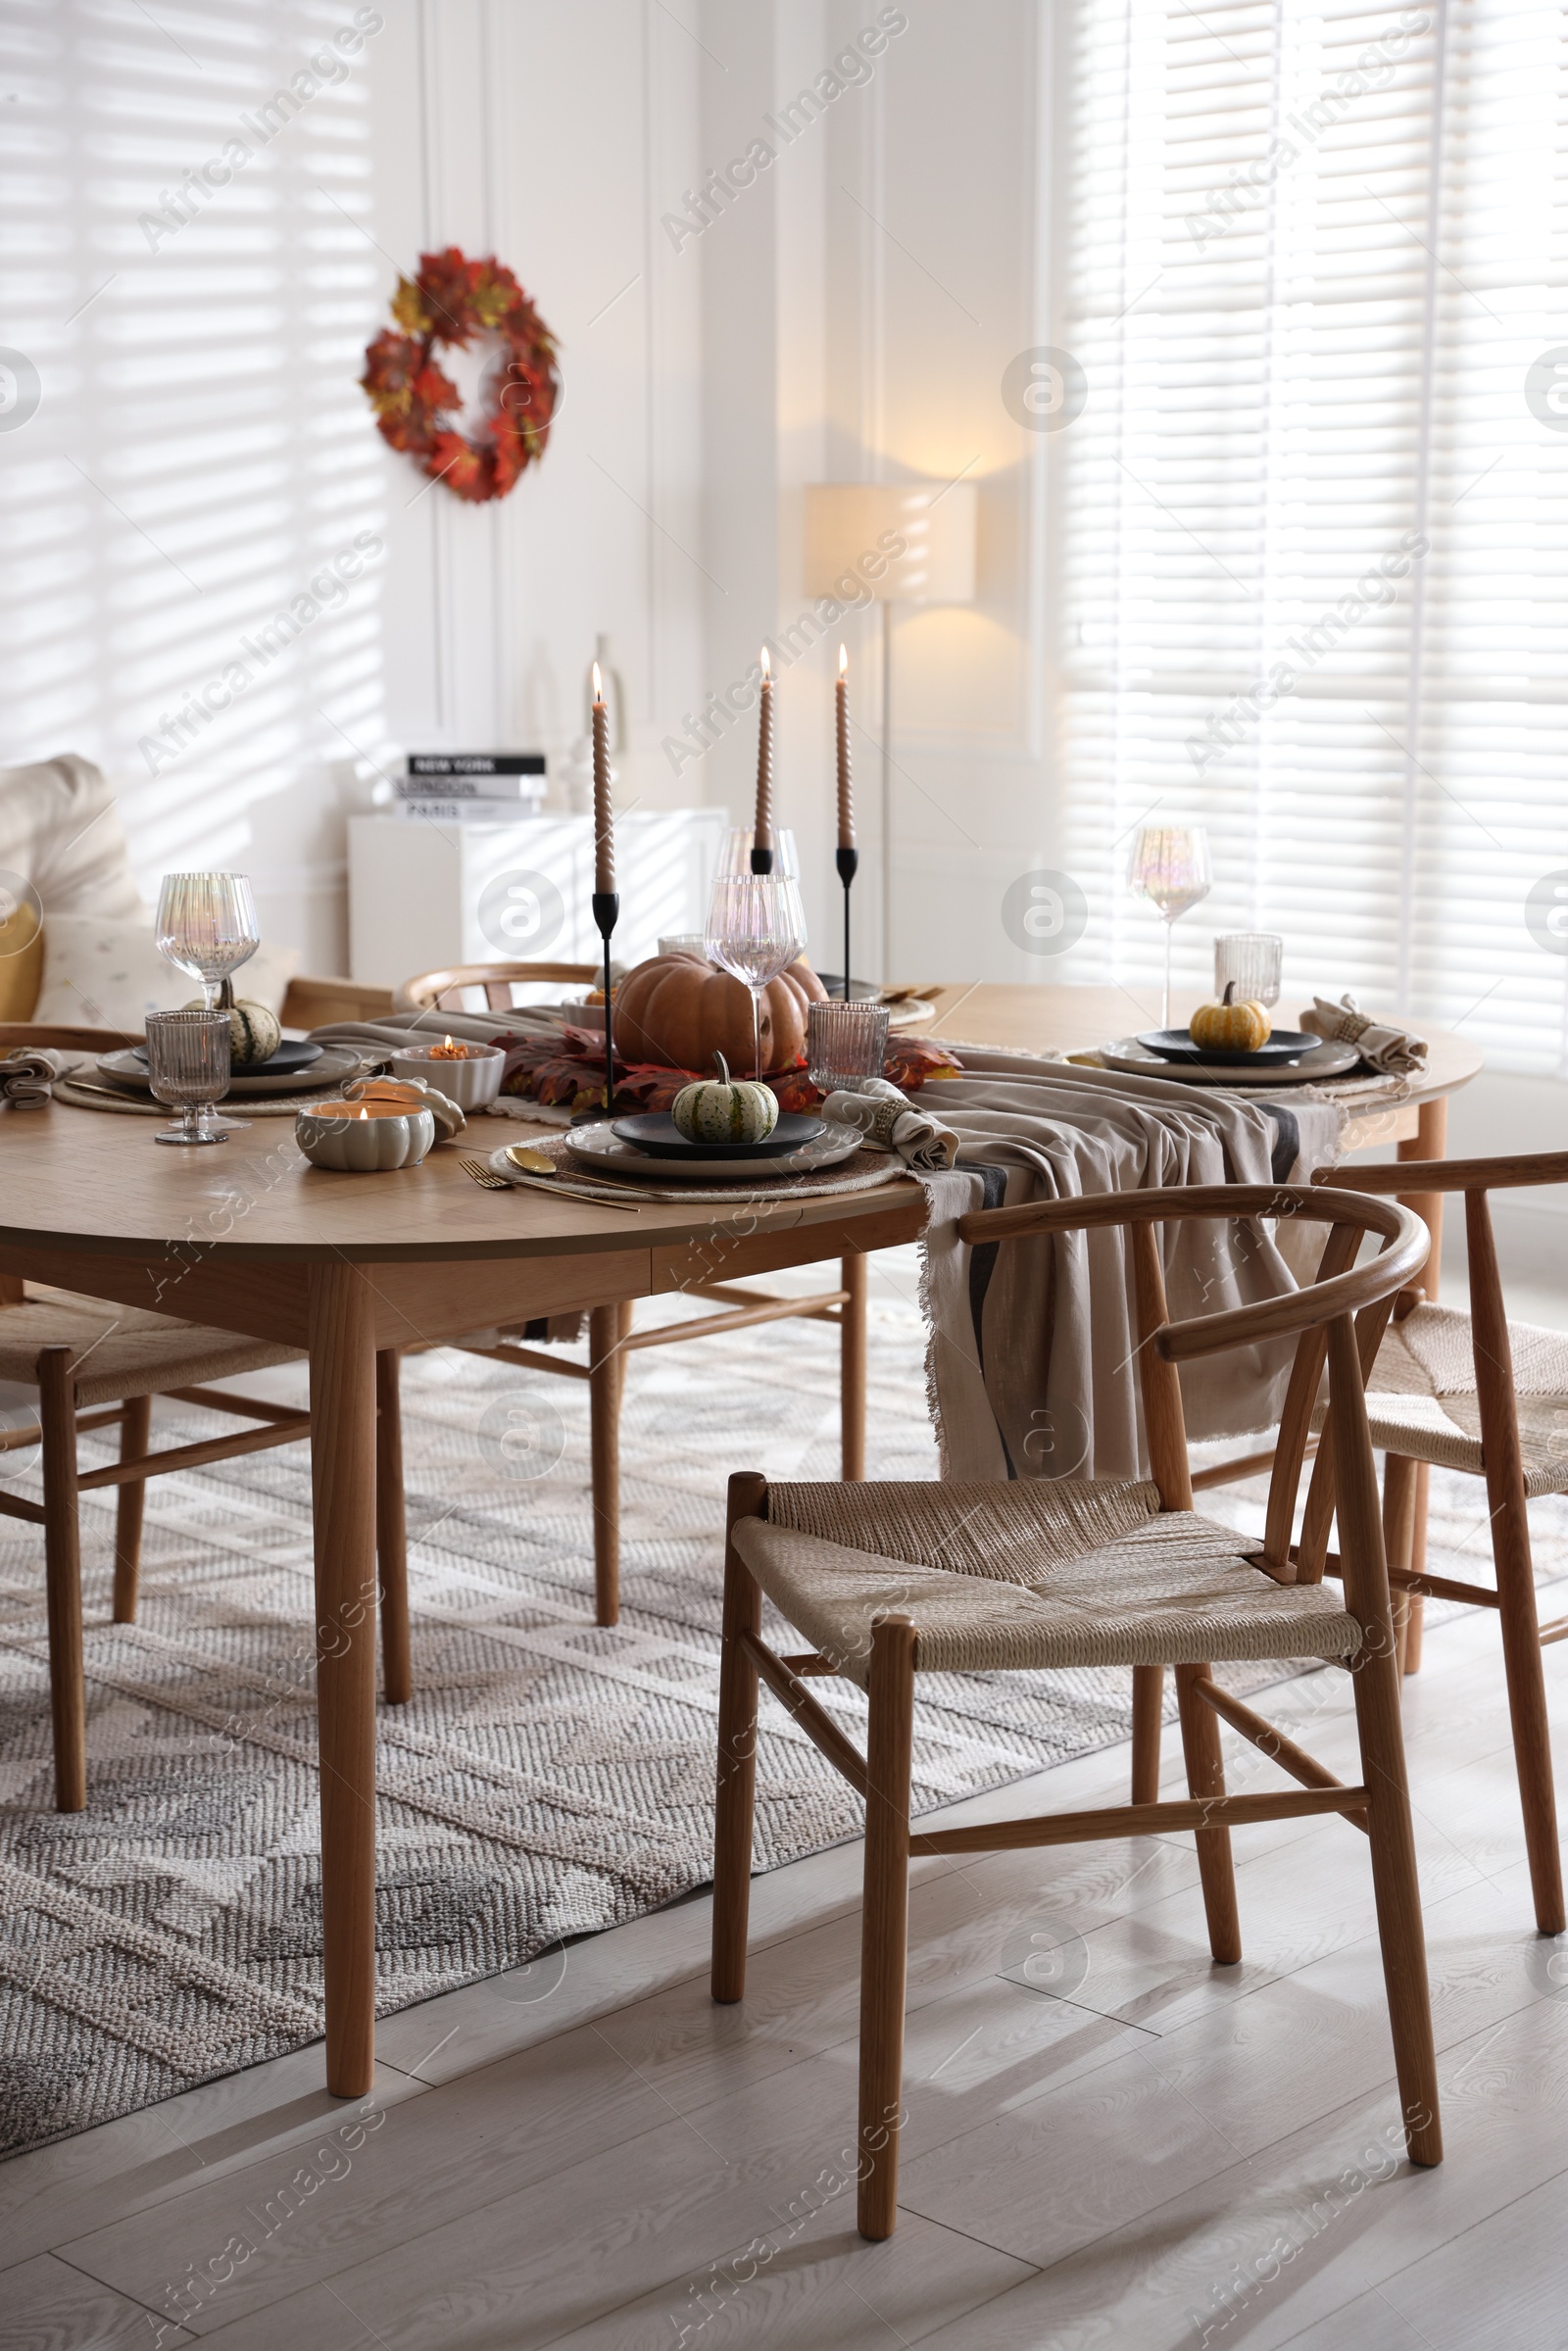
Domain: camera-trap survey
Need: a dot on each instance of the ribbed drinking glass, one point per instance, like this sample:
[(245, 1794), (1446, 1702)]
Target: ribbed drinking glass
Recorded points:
[(188, 1068)]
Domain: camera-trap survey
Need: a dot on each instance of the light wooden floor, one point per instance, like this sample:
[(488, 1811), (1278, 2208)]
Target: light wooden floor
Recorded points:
[(1110, 2141)]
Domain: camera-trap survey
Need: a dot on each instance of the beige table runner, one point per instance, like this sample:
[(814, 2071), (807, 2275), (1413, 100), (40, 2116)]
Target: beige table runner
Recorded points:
[(1031, 1367)]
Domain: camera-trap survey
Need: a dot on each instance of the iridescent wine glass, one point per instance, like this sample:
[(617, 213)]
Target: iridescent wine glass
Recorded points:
[(756, 929), (1169, 866), (206, 927)]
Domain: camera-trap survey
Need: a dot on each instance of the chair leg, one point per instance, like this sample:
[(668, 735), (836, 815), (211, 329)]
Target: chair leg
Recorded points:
[(852, 1366), (1206, 1777), (1398, 1892), (885, 1922), (1399, 1482), (1375, 1679), (605, 1377), (1526, 1708), (391, 1529), (737, 1754), (1149, 1706), (135, 1432), (62, 1541)]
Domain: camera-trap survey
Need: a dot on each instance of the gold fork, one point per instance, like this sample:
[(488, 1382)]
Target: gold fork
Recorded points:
[(485, 1175), (492, 1182)]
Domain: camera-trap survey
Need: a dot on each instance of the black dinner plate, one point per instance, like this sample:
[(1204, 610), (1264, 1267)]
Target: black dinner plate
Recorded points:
[(1175, 1044), (655, 1132), (294, 1054)]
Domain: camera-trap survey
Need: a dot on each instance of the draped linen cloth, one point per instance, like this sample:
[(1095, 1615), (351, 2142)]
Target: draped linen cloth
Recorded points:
[(1031, 1366)]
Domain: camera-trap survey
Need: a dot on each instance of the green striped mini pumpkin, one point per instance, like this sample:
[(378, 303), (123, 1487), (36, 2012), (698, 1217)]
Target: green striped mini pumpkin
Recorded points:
[(724, 1109), (254, 1033)]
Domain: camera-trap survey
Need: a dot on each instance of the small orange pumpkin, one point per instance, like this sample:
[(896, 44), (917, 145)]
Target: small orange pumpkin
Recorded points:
[(1231, 1026), (678, 1011)]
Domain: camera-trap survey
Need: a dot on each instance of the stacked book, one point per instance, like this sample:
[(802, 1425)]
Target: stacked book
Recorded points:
[(471, 787)]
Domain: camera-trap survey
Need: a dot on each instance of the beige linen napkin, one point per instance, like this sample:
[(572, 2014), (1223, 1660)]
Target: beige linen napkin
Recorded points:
[(885, 1114), (1397, 1052), (27, 1076)]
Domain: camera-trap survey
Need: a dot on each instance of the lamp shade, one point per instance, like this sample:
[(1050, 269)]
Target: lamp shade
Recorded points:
[(936, 520)]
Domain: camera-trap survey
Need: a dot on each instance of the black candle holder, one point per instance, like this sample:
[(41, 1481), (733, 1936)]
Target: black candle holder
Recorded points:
[(848, 861), (607, 913)]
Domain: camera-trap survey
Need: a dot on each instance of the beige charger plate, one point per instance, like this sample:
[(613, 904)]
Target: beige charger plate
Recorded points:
[(863, 1171), (1320, 1062), (599, 1147), (337, 1064)]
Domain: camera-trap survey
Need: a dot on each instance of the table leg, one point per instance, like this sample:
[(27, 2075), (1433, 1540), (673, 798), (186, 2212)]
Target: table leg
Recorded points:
[(851, 1365), (607, 1328), (1428, 1142), (342, 1339)]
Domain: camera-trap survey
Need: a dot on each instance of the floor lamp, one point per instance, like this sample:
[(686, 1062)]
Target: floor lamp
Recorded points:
[(853, 533)]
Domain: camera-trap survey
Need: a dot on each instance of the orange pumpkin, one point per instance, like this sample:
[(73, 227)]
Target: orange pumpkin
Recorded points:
[(680, 1012)]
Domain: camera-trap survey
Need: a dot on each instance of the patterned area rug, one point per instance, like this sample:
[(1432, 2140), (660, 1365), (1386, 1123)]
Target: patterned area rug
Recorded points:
[(548, 1779)]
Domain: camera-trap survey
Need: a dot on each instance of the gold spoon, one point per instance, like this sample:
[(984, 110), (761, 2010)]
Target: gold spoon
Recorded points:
[(522, 1154)]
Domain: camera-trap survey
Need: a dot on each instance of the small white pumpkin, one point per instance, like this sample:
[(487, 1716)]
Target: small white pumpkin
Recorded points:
[(724, 1109), (254, 1033)]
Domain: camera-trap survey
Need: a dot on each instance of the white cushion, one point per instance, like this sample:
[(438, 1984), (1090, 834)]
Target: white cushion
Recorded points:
[(110, 975), (60, 830)]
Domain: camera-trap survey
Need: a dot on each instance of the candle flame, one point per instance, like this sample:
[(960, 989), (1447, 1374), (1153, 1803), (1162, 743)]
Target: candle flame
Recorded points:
[(599, 689), (766, 671), (446, 1044), (844, 661), (363, 1113)]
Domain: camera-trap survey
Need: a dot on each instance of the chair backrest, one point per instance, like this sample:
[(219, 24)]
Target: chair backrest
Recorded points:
[(1338, 1316), (430, 991), (1492, 1353)]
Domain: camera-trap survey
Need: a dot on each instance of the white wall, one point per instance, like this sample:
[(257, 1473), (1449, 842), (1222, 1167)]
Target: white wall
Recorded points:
[(549, 136), (848, 316)]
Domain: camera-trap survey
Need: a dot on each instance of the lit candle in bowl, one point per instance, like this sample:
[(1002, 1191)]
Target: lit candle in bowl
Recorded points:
[(364, 1137), (468, 1075)]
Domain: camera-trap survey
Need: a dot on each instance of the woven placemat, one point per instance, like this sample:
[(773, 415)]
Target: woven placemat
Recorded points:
[(862, 1173)]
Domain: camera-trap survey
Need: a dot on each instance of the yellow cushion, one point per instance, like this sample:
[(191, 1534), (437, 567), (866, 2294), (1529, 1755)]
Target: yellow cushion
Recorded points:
[(21, 962)]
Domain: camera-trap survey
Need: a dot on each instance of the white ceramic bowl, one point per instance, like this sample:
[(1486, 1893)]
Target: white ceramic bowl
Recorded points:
[(469, 1083), (364, 1137)]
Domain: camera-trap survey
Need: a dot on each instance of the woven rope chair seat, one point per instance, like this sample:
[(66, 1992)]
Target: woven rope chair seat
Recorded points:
[(1027, 1575), (1422, 1401), (125, 1351)]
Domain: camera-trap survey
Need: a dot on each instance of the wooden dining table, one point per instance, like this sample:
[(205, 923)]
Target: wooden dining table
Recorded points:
[(251, 1239)]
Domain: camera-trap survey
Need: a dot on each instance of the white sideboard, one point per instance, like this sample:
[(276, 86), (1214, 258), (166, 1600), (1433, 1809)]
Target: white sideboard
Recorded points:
[(423, 896)]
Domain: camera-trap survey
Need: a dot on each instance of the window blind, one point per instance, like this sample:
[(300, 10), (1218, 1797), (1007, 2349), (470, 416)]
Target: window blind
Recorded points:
[(191, 521), (1314, 517)]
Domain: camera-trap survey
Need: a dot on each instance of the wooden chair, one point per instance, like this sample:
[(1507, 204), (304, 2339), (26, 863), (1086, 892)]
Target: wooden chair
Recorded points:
[(96, 1365), (1444, 1391), (887, 1582), (612, 1338)]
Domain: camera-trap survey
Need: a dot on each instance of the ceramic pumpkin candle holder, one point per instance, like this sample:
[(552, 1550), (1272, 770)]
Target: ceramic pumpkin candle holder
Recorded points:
[(365, 1138), (680, 1012)]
